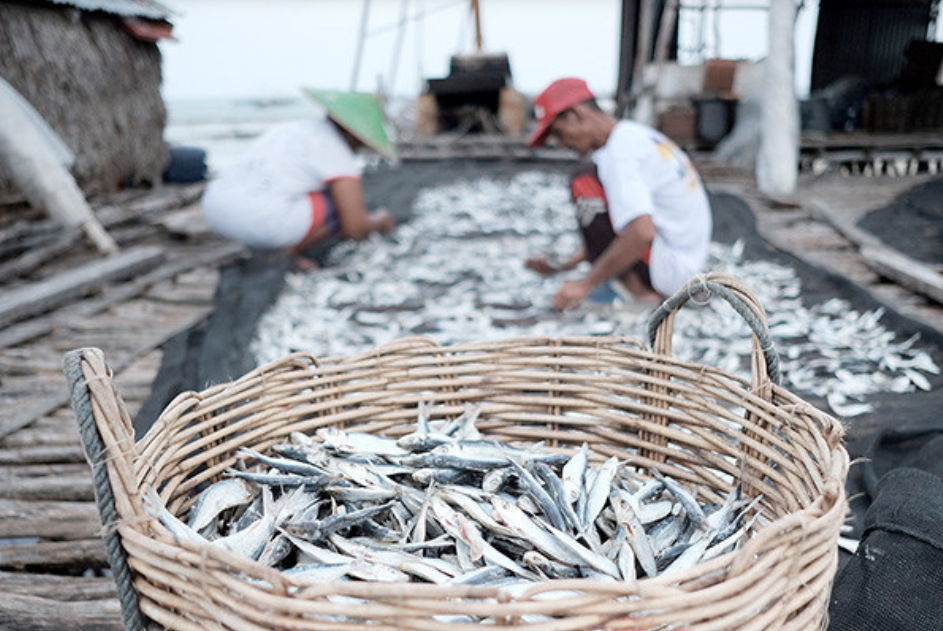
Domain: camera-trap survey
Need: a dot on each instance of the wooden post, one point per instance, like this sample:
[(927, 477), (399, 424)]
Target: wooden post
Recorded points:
[(476, 10), (645, 104), (39, 173), (630, 10), (777, 165), (643, 44)]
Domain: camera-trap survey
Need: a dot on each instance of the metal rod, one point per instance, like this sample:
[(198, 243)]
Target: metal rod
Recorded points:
[(394, 64), (364, 18)]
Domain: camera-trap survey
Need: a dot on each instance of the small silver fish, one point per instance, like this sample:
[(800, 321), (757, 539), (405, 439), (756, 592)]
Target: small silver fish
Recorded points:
[(216, 498), (344, 442), (573, 473), (250, 541), (154, 507), (598, 493)]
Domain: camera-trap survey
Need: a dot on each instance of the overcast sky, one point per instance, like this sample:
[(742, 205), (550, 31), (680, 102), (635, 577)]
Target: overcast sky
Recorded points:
[(252, 49)]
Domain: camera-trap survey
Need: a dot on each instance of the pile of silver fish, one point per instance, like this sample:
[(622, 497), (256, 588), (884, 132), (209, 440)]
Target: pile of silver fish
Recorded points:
[(455, 273), (828, 349), (447, 505)]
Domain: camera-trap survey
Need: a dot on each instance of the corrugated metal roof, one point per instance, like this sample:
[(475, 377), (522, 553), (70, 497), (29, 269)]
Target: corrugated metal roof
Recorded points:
[(865, 38), (128, 8)]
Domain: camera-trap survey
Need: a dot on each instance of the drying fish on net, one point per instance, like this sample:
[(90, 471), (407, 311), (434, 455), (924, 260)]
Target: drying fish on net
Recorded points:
[(443, 504), (446, 275)]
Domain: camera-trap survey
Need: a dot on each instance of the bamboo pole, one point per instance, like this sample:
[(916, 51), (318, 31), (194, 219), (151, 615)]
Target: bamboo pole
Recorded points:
[(476, 11), (361, 40), (38, 171)]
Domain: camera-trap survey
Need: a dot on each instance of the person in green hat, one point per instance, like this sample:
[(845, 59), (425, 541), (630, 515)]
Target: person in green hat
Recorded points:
[(299, 182)]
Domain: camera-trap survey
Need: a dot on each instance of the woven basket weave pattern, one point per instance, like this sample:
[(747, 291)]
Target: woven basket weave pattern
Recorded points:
[(691, 422)]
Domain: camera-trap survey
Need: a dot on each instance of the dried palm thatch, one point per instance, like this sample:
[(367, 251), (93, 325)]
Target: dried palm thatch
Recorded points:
[(96, 85)]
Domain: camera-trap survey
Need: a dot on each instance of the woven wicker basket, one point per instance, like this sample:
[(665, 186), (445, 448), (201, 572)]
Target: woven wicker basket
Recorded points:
[(689, 421)]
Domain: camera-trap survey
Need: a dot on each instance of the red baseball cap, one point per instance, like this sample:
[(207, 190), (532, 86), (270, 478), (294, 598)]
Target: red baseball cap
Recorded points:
[(559, 96)]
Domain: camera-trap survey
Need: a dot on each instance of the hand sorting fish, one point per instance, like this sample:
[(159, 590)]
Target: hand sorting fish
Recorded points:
[(445, 504)]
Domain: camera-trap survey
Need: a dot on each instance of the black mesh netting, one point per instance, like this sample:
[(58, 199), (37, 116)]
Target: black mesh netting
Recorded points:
[(895, 578), (920, 212)]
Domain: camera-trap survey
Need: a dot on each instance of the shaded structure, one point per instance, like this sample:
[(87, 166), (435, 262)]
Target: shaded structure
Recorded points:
[(866, 39), (477, 96), (876, 73), (92, 69)]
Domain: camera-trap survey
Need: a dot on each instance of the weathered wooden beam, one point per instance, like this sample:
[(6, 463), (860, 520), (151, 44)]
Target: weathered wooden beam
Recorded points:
[(215, 256), (22, 332), (159, 202), (26, 417), (58, 587), (36, 257), (49, 520), (42, 454), (42, 470), (905, 271), (31, 613), (51, 555), (47, 294), (66, 488), (25, 235)]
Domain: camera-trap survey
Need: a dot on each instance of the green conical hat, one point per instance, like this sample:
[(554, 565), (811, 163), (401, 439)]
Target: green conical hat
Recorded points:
[(360, 114)]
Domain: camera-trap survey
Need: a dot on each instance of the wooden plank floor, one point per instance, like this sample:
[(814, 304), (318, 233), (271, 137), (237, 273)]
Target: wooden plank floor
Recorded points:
[(53, 567)]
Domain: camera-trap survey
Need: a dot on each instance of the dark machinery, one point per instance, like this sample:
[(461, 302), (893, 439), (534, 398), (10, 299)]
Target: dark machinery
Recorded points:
[(476, 97)]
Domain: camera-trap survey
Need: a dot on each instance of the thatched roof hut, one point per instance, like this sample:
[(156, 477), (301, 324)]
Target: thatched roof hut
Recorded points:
[(92, 69)]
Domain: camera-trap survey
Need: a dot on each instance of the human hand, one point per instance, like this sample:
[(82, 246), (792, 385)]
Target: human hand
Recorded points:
[(571, 294), (541, 265)]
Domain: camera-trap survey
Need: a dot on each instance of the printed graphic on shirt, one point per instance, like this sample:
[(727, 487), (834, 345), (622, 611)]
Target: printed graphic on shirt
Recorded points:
[(670, 151)]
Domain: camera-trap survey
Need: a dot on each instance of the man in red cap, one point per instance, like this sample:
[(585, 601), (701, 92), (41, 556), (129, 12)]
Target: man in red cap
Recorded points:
[(643, 212)]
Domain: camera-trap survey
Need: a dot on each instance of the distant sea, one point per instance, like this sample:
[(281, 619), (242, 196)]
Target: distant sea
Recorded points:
[(222, 127)]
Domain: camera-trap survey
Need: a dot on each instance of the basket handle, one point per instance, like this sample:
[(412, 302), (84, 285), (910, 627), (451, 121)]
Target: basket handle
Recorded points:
[(764, 373), (110, 451), (744, 302)]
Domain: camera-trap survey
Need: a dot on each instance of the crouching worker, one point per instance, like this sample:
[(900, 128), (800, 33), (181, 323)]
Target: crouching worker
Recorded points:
[(643, 212), (299, 182)]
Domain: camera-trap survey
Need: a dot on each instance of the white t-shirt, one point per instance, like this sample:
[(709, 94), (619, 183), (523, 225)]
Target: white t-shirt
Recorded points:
[(644, 173), (261, 200)]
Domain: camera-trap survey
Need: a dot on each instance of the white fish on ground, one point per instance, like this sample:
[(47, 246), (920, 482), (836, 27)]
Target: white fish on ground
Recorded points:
[(335, 312)]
